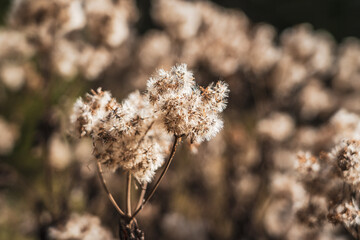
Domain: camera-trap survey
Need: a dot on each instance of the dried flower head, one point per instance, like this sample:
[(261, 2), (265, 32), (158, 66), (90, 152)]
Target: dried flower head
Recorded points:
[(124, 135), (347, 75), (346, 156), (263, 54), (81, 227), (183, 19), (185, 108), (278, 126), (308, 165), (315, 100), (346, 125), (347, 213), (136, 134)]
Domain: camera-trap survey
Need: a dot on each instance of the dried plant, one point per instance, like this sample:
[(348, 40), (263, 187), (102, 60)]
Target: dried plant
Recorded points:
[(286, 165), (136, 135)]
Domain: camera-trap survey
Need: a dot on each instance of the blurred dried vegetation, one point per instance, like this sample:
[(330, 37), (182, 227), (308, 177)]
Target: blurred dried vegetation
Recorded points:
[(280, 168)]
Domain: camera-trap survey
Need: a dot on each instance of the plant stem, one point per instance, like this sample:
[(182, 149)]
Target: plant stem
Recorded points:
[(128, 194), (110, 196), (142, 195), (173, 150)]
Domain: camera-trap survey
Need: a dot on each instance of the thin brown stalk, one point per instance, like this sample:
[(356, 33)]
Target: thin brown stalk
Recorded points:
[(110, 196), (171, 156), (142, 195), (128, 194)]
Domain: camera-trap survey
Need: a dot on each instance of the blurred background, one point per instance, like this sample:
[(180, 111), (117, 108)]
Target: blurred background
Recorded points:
[(336, 16), (293, 68)]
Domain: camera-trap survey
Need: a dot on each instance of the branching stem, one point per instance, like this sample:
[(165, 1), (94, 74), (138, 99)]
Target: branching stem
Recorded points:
[(142, 195), (110, 196), (171, 156)]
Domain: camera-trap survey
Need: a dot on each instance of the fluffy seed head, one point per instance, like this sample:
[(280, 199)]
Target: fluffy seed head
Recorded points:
[(346, 156), (136, 134), (124, 135), (185, 108)]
